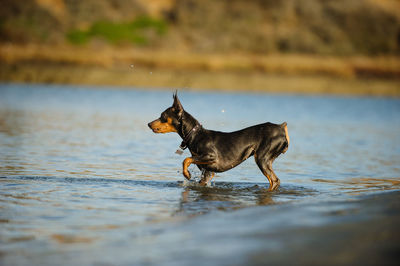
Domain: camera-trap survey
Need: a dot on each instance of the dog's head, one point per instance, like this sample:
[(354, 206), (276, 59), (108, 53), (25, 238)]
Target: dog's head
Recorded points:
[(170, 119)]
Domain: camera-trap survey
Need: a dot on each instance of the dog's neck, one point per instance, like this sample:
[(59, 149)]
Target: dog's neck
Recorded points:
[(189, 127)]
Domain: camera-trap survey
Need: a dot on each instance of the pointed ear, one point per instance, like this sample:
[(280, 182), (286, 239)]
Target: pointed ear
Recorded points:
[(177, 106)]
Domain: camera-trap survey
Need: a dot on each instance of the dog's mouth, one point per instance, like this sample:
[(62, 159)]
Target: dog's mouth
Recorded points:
[(158, 127), (154, 129)]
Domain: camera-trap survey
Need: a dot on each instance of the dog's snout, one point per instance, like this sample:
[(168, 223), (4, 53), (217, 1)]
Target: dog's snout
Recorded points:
[(149, 125)]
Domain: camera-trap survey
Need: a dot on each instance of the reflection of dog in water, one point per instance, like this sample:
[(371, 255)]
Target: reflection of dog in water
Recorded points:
[(198, 199), (214, 151)]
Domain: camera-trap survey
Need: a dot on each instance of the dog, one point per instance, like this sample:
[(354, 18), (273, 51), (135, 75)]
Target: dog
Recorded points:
[(215, 152)]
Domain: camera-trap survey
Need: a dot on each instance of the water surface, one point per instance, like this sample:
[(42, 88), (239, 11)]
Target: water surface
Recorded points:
[(84, 181)]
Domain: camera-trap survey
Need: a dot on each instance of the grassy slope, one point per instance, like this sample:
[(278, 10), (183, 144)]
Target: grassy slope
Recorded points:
[(338, 27)]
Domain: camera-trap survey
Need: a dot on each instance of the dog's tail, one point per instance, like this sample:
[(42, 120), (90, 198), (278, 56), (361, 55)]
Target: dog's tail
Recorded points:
[(284, 126)]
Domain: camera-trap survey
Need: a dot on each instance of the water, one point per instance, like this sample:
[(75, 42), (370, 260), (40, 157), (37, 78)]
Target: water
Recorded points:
[(85, 181)]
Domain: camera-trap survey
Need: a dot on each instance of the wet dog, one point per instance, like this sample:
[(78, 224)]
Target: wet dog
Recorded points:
[(214, 151)]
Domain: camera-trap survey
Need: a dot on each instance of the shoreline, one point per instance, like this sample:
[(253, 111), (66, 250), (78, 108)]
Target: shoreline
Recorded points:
[(274, 73), (199, 80)]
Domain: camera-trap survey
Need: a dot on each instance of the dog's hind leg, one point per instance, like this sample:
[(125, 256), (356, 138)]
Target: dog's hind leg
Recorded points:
[(266, 168), (264, 159), (267, 153)]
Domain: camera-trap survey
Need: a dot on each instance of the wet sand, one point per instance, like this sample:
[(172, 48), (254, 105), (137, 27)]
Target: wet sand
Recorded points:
[(364, 231)]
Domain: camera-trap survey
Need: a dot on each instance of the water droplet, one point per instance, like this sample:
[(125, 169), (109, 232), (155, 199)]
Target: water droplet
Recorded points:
[(132, 65)]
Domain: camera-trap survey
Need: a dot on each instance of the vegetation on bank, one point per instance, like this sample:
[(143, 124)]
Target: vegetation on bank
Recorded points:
[(139, 31), (340, 27)]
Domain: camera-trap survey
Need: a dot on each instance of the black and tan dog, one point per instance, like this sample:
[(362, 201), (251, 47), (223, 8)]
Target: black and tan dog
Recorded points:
[(214, 151)]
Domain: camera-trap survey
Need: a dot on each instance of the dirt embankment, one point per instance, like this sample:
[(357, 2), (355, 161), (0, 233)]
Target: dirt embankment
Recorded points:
[(316, 46)]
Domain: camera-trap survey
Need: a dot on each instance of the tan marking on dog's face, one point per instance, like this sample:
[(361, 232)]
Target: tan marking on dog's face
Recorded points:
[(158, 127)]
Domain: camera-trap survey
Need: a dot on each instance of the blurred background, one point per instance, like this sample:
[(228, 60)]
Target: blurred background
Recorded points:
[(294, 46)]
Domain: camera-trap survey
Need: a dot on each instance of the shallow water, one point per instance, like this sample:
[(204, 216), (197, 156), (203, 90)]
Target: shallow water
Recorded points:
[(83, 179)]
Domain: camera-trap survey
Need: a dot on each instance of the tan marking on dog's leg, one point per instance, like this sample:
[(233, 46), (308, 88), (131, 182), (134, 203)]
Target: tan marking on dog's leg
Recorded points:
[(186, 164), (274, 181), (269, 180)]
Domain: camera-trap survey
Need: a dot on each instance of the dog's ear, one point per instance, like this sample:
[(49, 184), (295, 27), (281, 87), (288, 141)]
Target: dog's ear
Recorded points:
[(177, 106)]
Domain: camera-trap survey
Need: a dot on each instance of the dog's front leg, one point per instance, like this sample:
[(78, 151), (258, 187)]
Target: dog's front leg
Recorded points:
[(206, 178), (188, 161)]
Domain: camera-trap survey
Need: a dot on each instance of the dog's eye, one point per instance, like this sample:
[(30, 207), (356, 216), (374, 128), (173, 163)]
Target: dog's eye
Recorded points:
[(163, 119)]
